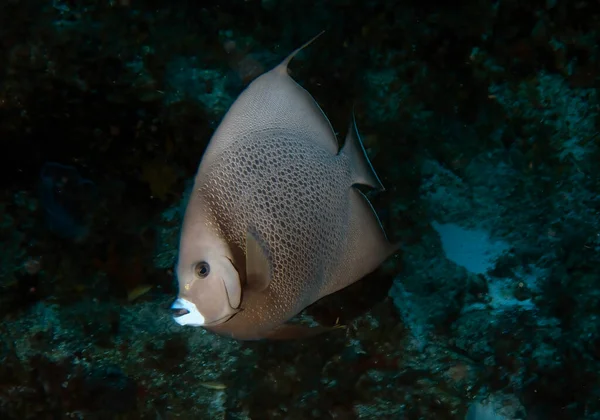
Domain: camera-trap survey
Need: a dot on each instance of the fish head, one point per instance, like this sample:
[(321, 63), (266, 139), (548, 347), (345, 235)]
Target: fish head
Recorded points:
[(210, 290)]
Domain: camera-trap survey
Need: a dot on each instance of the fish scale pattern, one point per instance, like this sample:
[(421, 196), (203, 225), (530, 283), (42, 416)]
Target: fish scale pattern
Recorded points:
[(294, 195)]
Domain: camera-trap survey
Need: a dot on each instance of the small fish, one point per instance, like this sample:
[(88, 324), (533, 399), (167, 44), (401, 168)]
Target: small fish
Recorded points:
[(274, 222), (213, 385), (138, 291)]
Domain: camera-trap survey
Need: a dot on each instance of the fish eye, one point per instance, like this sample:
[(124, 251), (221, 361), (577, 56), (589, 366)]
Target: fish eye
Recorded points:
[(202, 269)]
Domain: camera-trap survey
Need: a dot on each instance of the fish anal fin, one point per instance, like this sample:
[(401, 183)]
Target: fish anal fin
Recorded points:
[(258, 266), (298, 331), (366, 245), (362, 170)]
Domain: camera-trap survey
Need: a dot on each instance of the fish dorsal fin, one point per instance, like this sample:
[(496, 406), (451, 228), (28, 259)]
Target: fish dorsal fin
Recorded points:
[(258, 267), (283, 66), (275, 102), (362, 170)]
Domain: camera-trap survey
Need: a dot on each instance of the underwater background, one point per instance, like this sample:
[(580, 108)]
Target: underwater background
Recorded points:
[(482, 119)]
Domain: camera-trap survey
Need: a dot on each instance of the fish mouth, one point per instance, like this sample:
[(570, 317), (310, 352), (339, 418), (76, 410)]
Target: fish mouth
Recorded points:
[(185, 313)]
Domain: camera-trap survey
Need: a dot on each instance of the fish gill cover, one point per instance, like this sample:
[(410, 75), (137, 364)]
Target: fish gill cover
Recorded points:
[(481, 119)]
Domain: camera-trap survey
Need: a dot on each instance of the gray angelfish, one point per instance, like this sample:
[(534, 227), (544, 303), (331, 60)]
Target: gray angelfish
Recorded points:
[(274, 222)]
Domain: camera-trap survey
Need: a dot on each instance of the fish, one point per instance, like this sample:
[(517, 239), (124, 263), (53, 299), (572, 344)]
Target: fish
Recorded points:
[(138, 291), (213, 385), (276, 220)]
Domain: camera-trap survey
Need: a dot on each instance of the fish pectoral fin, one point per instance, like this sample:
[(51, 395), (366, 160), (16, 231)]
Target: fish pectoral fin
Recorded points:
[(298, 331), (258, 266)]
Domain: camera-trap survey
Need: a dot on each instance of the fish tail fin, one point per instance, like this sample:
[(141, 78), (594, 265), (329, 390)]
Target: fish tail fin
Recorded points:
[(284, 64), (366, 232), (362, 170), (366, 245)]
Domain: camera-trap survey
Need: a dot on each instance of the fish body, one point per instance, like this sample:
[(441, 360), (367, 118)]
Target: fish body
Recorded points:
[(274, 222)]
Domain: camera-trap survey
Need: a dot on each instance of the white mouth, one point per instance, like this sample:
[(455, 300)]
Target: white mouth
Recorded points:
[(186, 313)]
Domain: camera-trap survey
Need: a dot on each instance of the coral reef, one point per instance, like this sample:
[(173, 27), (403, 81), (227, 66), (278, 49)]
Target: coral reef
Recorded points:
[(482, 121)]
